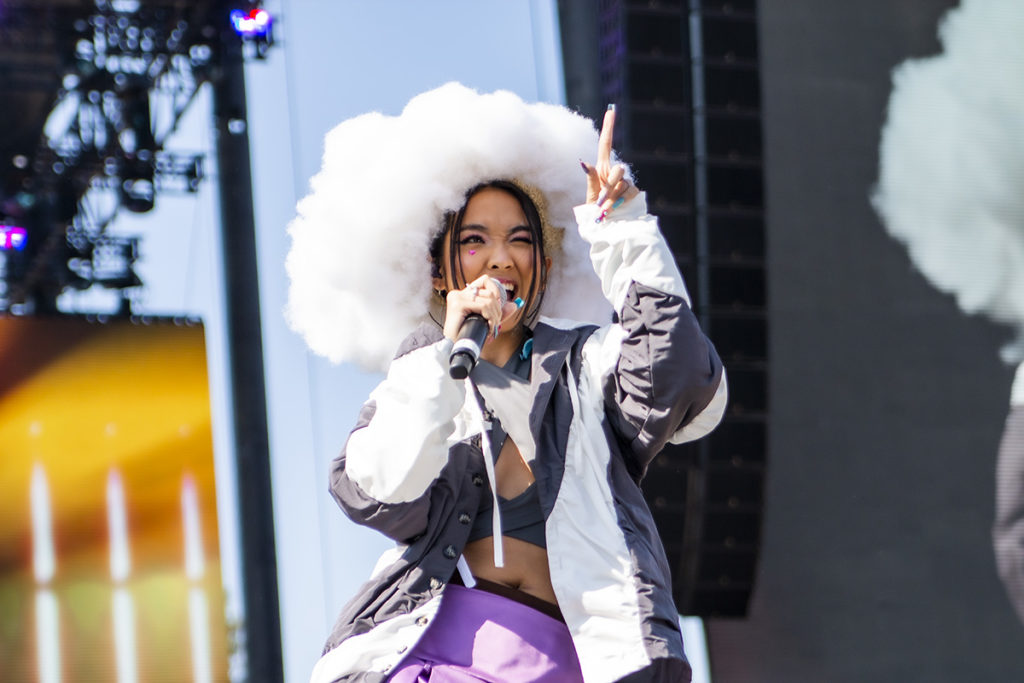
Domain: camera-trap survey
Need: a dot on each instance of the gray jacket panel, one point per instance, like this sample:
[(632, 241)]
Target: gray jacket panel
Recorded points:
[(1008, 531), (646, 406)]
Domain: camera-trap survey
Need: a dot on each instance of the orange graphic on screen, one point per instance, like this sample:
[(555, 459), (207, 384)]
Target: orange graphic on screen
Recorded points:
[(109, 562)]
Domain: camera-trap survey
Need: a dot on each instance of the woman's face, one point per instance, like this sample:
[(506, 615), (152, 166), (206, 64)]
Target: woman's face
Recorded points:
[(494, 240)]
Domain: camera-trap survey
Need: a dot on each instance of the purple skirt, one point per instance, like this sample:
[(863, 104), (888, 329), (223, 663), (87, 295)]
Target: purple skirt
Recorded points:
[(479, 636)]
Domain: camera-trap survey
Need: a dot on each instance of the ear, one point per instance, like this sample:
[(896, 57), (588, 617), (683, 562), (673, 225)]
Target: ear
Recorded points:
[(436, 275), (547, 271)]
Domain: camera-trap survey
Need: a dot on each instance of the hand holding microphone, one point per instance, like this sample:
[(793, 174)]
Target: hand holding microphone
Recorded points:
[(474, 328)]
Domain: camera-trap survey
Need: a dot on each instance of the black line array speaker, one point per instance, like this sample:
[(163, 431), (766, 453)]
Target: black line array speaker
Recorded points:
[(684, 75)]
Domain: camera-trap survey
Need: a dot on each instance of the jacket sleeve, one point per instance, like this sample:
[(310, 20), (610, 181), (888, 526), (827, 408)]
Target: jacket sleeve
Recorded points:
[(662, 379), (400, 444)]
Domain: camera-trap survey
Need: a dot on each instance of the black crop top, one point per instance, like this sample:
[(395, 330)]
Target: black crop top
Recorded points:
[(521, 517)]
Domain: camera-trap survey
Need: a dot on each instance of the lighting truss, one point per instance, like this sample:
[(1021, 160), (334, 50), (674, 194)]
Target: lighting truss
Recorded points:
[(125, 73)]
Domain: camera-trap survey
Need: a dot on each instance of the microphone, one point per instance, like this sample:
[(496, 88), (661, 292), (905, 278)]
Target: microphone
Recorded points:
[(472, 335)]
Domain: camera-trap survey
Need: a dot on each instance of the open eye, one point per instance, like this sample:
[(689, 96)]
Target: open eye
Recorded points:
[(471, 239)]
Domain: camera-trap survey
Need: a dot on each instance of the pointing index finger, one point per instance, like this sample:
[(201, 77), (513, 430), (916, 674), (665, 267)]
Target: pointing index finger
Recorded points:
[(604, 143)]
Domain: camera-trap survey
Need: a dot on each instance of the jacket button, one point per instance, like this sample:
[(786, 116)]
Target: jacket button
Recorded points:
[(478, 480), (422, 621), (450, 552), (464, 518), (435, 583)]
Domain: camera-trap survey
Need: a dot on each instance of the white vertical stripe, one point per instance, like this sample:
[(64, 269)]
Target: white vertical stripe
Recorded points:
[(117, 522), (124, 635), (44, 562), (1017, 392), (591, 565), (547, 56), (194, 559), (485, 443), (696, 645), (47, 636), (199, 624)]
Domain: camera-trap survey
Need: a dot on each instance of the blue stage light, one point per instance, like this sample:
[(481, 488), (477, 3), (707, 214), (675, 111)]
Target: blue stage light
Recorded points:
[(12, 238), (252, 24)]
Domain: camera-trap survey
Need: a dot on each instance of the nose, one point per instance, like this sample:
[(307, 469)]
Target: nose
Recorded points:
[(499, 258)]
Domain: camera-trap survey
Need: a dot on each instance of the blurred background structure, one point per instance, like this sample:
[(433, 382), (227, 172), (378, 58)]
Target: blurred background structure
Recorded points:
[(151, 154)]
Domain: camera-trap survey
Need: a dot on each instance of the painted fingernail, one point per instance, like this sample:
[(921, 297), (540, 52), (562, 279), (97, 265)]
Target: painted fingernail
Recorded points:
[(601, 197), (604, 214), (584, 167), (611, 107), (618, 202), (496, 331), (518, 302)]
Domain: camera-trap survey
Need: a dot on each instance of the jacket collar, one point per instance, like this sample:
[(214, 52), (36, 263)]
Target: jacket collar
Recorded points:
[(550, 347)]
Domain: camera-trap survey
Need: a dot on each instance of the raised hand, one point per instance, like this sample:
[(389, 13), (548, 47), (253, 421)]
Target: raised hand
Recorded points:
[(607, 185)]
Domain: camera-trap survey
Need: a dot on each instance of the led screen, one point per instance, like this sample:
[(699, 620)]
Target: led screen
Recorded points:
[(109, 563)]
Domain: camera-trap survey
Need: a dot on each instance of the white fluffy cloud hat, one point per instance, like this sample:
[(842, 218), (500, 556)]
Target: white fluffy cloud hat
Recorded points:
[(359, 262)]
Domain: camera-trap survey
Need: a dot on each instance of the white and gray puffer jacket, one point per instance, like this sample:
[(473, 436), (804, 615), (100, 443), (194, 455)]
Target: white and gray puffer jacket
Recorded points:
[(605, 400)]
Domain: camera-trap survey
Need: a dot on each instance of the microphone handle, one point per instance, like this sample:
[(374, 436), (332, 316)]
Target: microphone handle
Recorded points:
[(472, 335), (466, 350)]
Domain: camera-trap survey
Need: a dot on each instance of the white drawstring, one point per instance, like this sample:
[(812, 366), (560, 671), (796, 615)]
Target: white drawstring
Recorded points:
[(485, 442), (468, 580)]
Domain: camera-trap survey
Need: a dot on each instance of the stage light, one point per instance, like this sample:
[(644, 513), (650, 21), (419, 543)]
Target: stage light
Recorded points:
[(125, 6), (138, 195), (12, 238), (25, 200), (252, 24)]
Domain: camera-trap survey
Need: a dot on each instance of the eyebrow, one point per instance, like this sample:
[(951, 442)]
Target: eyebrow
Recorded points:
[(484, 228)]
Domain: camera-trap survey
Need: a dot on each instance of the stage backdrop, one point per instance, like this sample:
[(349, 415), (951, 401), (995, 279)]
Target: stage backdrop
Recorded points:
[(109, 563), (888, 401)]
